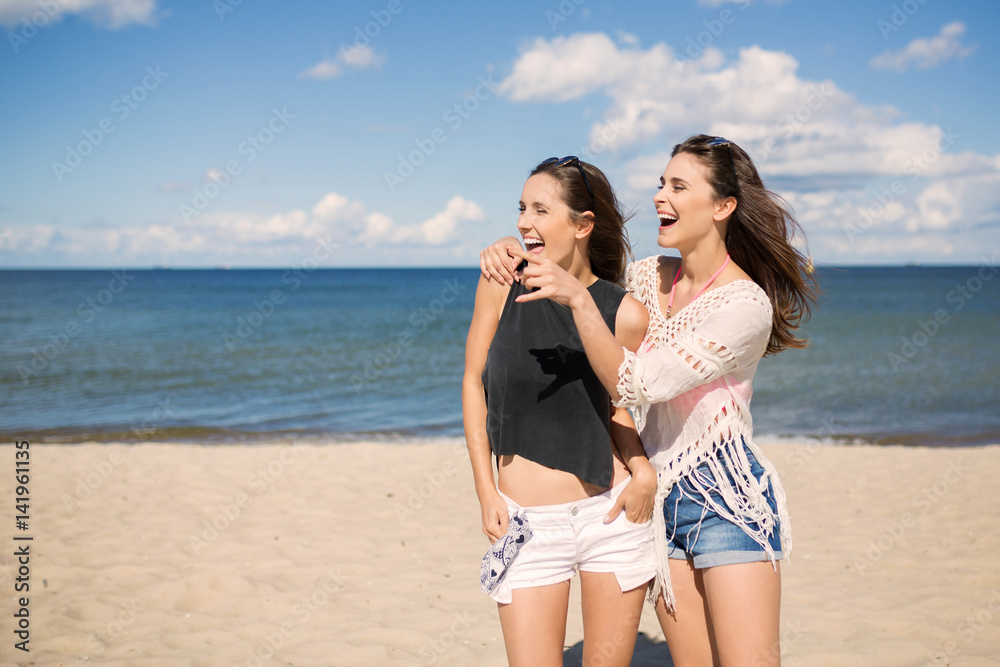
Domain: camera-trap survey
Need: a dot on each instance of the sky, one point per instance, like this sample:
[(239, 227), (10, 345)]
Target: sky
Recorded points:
[(244, 133)]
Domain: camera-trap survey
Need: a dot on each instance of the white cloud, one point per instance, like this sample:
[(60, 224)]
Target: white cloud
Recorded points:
[(626, 38), (565, 68), (361, 57), (335, 207), (358, 57), (958, 202), (924, 53), (833, 157), (111, 14), (656, 91), (234, 237), (895, 248), (326, 69), (443, 227)]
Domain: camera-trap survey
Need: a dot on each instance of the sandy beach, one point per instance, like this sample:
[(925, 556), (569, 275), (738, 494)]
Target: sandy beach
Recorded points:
[(368, 554)]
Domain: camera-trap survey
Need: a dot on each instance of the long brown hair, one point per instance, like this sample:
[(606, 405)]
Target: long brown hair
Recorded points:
[(759, 236), (608, 248)]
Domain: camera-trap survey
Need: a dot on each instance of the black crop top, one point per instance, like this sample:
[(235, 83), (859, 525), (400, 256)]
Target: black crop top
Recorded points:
[(544, 401)]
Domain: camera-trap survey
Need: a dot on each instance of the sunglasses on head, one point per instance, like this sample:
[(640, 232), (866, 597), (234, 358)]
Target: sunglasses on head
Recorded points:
[(719, 141), (572, 159)]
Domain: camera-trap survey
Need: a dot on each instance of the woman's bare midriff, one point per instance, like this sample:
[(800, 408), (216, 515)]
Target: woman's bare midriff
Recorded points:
[(529, 484)]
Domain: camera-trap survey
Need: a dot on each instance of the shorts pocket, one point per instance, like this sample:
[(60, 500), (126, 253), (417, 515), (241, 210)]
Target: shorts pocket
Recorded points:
[(637, 525)]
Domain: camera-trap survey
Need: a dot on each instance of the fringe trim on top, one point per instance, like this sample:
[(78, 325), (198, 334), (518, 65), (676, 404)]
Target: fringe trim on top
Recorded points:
[(743, 504)]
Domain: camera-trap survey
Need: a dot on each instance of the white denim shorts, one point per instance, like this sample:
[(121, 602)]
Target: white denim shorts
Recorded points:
[(572, 537)]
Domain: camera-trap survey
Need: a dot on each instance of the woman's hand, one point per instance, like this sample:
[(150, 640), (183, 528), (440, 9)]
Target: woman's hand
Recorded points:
[(548, 280), (495, 262), (494, 510), (638, 498)]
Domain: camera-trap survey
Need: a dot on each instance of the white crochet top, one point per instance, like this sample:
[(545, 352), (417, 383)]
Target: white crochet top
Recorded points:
[(690, 384)]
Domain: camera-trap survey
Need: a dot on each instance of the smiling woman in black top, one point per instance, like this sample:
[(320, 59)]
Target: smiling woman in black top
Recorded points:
[(563, 453)]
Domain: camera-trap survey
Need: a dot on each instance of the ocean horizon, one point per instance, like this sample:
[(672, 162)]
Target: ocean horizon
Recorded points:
[(897, 355)]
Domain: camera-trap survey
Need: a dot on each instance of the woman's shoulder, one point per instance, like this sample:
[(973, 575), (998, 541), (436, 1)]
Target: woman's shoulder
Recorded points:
[(742, 297), (493, 295), (492, 289), (745, 289), (607, 290), (643, 275), (631, 322), (608, 296), (649, 263)]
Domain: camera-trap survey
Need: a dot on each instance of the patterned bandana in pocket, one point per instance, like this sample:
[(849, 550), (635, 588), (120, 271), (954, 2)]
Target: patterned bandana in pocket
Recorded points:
[(502, 553)]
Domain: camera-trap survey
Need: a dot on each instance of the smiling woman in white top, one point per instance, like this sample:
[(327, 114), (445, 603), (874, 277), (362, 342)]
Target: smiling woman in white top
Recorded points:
[(738, 291)]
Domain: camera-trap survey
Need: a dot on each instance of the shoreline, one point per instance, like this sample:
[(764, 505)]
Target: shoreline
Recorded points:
[(368, 554), (220, 437)]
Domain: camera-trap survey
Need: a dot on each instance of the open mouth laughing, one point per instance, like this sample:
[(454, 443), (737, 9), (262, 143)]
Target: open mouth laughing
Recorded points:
[(667, 219), (533, 244)]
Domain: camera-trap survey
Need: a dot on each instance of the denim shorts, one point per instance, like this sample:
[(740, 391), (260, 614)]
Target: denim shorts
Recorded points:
[(697, 533)]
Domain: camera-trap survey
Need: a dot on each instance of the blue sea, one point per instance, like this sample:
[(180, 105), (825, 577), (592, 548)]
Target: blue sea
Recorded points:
[(896, 355)]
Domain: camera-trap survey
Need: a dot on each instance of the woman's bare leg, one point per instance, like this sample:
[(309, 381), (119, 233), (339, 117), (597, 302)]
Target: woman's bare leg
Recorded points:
[(610, 619), (744, 603), (688, 629), (534, 625)]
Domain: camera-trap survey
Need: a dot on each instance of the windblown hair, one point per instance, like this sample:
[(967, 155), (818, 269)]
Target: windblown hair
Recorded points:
[(608, 247), (759, 237)]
